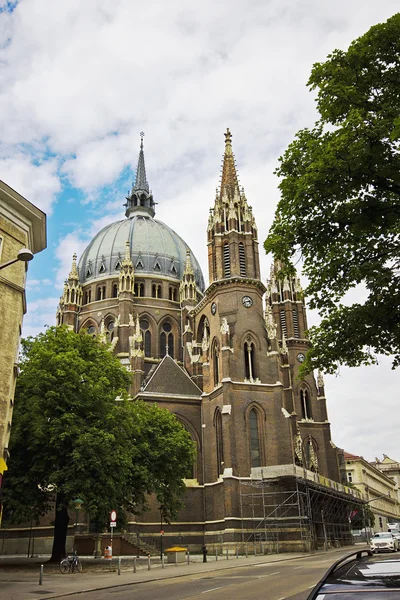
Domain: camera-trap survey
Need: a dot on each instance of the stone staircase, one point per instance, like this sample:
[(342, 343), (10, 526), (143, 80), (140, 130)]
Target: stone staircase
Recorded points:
[(140, 545)]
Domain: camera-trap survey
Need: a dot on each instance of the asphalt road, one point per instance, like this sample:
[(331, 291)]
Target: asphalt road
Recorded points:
[(289, 580)]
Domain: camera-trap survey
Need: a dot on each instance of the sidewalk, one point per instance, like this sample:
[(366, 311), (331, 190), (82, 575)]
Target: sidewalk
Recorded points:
[(19, 576)]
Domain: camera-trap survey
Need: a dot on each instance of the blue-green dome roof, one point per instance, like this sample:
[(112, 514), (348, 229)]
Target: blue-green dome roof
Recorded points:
[(156, 250)]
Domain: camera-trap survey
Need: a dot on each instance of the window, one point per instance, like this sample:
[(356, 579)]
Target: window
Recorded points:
[(219, 442), (254, 439), (101, 292), (242, 260), (216, 365), (139, 289), (87, 297), (156, 291), (172, 294), (144, 326), (166, 340), (349, 476), (227, 261), (305, 402), (249, 363), (115, 291)]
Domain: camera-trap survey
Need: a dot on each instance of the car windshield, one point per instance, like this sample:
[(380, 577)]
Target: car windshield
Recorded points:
[(382, 535)]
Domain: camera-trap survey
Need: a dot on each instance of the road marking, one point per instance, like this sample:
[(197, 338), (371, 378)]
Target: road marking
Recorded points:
[(298, 568), (213, 589)]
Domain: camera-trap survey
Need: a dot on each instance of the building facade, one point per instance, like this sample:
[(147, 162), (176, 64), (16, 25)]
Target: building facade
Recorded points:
[(22, 225), (224, 359), (377, 486)]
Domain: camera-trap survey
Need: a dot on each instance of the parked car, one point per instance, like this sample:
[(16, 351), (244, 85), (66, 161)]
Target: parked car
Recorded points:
[(360, 575), (384, 541)]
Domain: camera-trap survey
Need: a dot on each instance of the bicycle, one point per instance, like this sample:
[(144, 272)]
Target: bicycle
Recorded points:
[(70, 563)]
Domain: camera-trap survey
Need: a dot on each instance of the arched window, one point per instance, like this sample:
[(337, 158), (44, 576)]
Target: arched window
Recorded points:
[(145, 327), (167, 338), (110, 330), (227, 260), (254, 439), (115, 290), (242, 260), (172, 293), (219, 442), (216, 365), (305, 402), (249, 360)]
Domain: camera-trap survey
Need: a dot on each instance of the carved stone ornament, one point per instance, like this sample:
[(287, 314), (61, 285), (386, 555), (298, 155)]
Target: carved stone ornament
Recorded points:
[(320, 380), (224, 326), (270, 323), (298, 447)]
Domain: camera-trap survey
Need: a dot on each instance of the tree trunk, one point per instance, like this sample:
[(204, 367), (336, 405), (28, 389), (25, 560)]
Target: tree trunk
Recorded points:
[(60, 531)]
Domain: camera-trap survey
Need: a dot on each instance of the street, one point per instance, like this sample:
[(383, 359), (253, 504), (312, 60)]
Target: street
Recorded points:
[(271, 581)]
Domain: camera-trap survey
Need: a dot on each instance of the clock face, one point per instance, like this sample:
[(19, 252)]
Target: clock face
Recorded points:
[(300, 357), (247, 301), (213, 308)]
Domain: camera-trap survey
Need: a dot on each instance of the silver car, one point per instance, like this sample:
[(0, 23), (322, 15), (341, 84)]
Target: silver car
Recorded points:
[(384, 542)]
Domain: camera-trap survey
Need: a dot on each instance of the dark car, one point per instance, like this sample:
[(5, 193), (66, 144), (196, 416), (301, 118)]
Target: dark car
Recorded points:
[(360, 575)]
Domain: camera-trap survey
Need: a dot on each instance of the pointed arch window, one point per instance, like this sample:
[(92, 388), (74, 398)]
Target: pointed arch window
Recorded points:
[(249, 360), (216, 365), (145, 327), (167, 339), (242, 260), (139, 264), (227, 260), (219, 442), (117, 265), (255, 456), (115, 290), (305, 402)]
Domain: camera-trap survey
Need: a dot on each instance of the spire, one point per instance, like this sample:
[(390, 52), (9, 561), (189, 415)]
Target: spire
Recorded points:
[(229, 179), (140, 200), (141, 180), (73, 274)]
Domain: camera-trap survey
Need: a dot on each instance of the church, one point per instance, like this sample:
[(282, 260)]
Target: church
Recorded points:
[(224, 359)]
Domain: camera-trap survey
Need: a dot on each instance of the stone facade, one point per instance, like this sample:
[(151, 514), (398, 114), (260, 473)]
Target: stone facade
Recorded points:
[(22, 225), (224, 360)]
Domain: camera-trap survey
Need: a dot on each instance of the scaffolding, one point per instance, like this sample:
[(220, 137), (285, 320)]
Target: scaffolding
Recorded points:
[(294, 512)]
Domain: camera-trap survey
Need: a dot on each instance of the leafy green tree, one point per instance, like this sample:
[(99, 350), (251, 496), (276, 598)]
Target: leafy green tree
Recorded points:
[(76, 434), (340, 203)]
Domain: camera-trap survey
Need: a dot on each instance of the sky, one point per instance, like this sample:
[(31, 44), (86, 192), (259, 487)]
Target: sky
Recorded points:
[(80, 80)]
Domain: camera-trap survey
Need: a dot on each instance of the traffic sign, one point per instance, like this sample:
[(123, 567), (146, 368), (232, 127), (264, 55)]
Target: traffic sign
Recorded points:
[(113, 524), (113, 515)]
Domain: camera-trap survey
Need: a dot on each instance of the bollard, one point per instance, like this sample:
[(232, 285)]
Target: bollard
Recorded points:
[(162, 560), (237, 552), (245, 548), (216, 554), (227, 556), (134, 564), (119, 565), (148, 562), (187, 556), (41, 575)]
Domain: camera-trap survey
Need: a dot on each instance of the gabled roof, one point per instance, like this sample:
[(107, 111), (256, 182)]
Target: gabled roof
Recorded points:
[(170, 379)]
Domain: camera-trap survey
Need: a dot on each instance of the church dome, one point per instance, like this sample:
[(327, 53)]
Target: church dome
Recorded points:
[(156, 249)]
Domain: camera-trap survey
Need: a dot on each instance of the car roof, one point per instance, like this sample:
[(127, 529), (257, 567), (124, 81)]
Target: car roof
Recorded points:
[(360, 571)]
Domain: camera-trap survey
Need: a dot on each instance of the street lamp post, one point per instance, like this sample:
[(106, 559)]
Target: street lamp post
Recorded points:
[(77, 504), (24, 255)]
